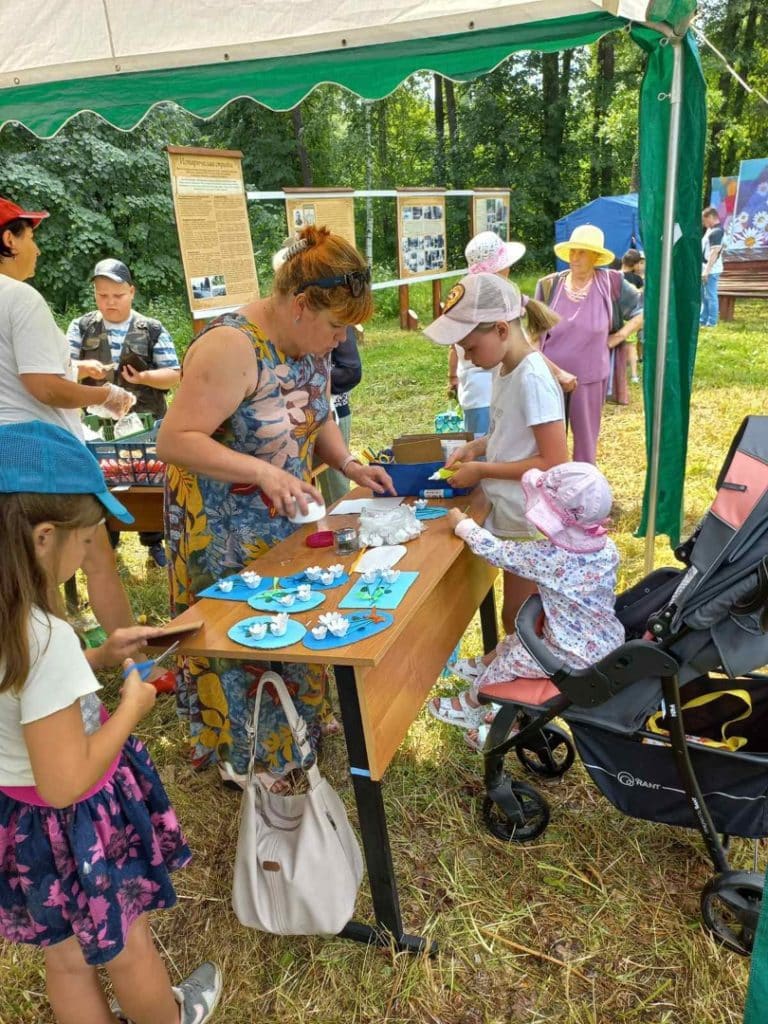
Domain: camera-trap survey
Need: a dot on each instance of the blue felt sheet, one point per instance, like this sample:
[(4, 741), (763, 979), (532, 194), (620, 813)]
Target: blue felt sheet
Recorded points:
[(379, 594), (239, 633), (240, 592), (361, 627)]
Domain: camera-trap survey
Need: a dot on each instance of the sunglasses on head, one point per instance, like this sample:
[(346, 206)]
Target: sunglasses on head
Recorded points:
[(355, 280)]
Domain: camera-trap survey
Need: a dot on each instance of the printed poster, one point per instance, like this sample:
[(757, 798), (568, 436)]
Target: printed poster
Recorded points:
[(214, 232), (490, 212), (333, 209), (723, 197), (748, 237), (421, 234)]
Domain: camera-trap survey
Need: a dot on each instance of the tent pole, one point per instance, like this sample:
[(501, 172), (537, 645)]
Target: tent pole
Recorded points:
[(667, 244)]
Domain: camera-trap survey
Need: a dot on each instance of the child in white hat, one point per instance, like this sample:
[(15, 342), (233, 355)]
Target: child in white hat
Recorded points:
[(574, 568)]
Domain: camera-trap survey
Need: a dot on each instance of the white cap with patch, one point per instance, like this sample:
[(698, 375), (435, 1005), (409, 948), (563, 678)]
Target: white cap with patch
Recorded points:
[(476, 299)]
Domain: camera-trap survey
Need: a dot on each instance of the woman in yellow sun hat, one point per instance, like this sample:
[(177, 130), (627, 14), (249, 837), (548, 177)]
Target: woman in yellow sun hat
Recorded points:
[(598, 310)]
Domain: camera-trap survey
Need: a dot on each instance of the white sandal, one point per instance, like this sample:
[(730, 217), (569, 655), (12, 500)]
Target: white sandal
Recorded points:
[(465, 717), (468, 669)]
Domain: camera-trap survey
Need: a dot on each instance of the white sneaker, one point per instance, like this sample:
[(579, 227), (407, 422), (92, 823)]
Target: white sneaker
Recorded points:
[(199, 994)]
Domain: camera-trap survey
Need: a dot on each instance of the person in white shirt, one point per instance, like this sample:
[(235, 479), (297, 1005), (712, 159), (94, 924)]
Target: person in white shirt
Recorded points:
[(711, 266), (37, 383), (484, 315)]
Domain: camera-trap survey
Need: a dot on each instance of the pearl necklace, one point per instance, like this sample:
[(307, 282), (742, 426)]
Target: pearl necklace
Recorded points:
[(574, 293)]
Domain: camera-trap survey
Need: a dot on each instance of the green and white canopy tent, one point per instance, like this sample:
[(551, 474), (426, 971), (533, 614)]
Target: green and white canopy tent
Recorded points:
[(119, 59)]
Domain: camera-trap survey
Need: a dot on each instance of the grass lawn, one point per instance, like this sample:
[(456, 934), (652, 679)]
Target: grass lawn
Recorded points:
[(614, 902)]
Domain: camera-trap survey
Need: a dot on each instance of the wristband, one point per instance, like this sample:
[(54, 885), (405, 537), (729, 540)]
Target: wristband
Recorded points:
[(346, 462)]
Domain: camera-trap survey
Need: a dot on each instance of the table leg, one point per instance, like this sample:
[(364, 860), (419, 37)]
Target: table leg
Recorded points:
[(373, 828), (488, 622)]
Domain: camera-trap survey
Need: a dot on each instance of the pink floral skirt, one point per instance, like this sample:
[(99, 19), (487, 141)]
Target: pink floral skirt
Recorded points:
[(92, 868)]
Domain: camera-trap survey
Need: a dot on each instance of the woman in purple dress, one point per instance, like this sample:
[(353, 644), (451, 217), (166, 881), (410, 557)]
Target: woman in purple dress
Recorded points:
[(598, 311)]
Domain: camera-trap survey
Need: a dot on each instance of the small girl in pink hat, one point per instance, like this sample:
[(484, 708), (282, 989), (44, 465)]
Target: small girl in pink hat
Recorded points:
[(574, 567)]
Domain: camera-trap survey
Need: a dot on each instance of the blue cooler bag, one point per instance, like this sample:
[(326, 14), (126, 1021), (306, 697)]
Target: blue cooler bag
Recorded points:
[(410, 478)]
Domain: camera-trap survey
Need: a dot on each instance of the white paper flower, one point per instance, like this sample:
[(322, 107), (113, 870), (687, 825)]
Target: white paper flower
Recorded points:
[(370, 576), (327, 577), (225, 586), (339, 626), (390, 575), (287, 600), (313, 572), (250, 579), (304, 591), (319, 632), (258, 630), (279, 624), (337, 570)]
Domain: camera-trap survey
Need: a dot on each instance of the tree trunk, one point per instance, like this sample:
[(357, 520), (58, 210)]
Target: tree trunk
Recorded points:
[(730, 31), (439, 132), (453, 130), (301, 149), (554, 95), (601, 171), (744, 66)]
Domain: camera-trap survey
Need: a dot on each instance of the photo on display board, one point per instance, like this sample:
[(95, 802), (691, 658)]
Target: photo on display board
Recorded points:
[(748, 237), (309, 215), (423, 249), (211, 286)]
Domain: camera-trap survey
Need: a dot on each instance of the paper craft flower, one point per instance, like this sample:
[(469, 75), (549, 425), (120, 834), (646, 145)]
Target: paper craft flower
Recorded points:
[(337, 570), (334, 623), (304, 591), (314, 572), (225, 586), (319, 632), (250, 579), (258, 630), (327, 577), (370, 576), (279, 624), (286, 599), (390, 575)]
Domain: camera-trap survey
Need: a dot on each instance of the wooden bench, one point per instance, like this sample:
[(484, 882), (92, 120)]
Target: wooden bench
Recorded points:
[(741, 279)]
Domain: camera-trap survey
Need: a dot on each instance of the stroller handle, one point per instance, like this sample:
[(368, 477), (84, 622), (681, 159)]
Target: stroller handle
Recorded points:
[(588, 687)]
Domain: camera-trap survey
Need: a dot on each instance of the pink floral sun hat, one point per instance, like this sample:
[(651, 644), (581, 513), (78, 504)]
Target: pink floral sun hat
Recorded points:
[(569, 504), (486, 253)]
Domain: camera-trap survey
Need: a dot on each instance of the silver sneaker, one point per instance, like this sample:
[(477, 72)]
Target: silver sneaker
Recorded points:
[(198, 995)]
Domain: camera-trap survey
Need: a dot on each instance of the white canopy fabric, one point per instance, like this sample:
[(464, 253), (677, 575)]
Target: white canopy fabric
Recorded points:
[(58, 40)]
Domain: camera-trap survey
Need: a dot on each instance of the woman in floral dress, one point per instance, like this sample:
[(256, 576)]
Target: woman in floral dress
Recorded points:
[(249, 419)]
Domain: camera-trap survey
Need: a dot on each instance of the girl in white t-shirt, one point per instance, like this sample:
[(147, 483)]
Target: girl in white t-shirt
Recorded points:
[(484, 315), (88, 837)]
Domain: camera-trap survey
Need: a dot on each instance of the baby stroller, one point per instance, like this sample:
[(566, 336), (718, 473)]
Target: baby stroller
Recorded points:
[(656, 721)]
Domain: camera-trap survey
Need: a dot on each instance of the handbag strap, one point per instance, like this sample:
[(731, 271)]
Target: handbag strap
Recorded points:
[(727, 742), (296, 724)]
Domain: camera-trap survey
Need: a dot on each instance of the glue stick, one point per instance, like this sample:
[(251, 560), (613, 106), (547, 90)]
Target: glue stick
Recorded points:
[(436, 492)]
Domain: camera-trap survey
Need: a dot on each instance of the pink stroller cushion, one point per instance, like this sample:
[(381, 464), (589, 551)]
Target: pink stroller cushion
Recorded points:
[(519, 691)]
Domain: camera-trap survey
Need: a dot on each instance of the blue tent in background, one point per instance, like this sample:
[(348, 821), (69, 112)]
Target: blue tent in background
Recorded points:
[(616, 216)]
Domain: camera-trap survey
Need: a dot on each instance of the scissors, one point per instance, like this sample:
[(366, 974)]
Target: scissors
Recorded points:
[(145, 668)]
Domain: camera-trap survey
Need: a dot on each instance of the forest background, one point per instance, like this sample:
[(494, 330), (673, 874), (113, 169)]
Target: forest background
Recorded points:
[(558, 129)]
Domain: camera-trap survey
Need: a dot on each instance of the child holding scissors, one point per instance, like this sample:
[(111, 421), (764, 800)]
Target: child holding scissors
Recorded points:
[(88, 837)]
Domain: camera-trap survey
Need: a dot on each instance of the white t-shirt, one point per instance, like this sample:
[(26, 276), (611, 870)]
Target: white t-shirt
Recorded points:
[(521, 400), (59, 676), (474, 390), (30, 342)]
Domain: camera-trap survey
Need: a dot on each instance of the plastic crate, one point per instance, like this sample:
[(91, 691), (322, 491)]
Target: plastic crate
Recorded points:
[(107, 426), (131, 461)]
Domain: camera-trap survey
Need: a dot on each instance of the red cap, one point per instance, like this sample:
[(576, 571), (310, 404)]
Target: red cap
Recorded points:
[(12, 211)]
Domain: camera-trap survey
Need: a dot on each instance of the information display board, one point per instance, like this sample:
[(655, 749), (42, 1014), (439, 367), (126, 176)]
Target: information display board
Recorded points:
[(490, 212), (332, 208), (421, 233), (212, 223)]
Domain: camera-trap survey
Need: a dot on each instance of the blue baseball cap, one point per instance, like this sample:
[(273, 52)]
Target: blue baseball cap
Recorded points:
[(40, 458)]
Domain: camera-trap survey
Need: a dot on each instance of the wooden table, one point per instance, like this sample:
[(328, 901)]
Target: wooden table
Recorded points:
[(145, 505), (382, 681)]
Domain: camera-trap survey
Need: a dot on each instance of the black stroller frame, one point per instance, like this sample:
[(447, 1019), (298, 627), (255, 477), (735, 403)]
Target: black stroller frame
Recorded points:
[(685, 624)]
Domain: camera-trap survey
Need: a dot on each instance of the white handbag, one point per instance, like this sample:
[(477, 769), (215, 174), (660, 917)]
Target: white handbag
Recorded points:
[(298, 865)]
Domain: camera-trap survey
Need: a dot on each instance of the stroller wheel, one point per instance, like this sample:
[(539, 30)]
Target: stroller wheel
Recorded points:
[(516, 813), (548, 755), (730, 906)]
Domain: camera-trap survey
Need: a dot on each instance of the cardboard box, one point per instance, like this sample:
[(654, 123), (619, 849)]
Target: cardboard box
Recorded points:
[(409, 449)]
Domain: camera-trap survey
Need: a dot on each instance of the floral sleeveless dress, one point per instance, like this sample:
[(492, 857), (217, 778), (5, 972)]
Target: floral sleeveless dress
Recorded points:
[(213, 532)]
